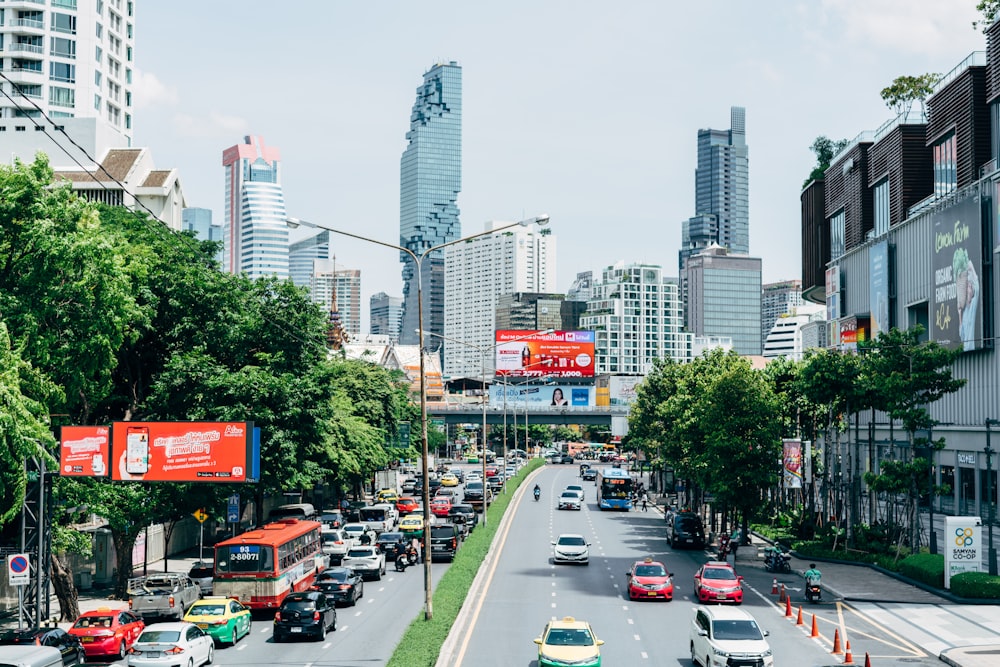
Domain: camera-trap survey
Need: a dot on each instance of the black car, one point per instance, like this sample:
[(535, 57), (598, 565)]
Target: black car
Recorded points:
[(444, 541), (468, 511), (566, 458), (68, 645), (589, 474), (305, 613), (332, 518), (392, 544), (341, 585), (685, 529)]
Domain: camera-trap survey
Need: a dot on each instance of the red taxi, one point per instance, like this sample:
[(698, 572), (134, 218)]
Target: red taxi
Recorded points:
[(716, 581), (441, 505), (649, 580), (406, 504), (107, 631), (492, 471)]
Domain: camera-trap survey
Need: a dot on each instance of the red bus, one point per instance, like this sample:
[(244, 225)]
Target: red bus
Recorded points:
[(262, 566)]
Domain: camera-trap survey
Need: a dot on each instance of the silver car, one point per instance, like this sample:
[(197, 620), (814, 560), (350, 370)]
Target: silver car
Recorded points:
[(168, 644), (571, 548)]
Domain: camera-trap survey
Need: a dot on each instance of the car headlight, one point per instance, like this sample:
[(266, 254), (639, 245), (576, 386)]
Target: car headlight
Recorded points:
[(766, 654), (719, 652)]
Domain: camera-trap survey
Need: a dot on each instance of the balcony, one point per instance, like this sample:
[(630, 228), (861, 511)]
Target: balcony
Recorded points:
[(26, 48), (26, 25)]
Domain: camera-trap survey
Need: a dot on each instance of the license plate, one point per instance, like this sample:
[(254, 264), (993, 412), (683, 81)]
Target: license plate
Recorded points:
[(689, 540), (87, 640), (296, 629), (720, 596), (651, 594), (203, 626)]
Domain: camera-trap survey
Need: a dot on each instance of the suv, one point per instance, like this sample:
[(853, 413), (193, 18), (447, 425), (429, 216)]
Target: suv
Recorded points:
[(474, 494), (304, 613), (685, 528), (335, 544), (444, 541), (719, 634), (202, 574), (468, 511)]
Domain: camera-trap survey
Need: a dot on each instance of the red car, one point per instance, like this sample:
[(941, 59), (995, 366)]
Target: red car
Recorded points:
[(406, 504), (492, 471), (649, 580), (107, 631), (716, 581), (440, 506)]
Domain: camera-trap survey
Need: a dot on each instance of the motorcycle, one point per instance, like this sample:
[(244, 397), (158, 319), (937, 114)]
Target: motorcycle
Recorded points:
[(814, 593), (778, 561), (406, 559), (725, 547), (538, 494)]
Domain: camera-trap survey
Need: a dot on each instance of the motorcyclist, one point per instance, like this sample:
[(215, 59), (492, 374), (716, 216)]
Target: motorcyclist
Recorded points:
[(538, 491), (812, 575)]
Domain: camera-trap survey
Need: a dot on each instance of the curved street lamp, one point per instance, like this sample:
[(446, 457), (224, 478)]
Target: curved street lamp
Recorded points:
[(540, 220)]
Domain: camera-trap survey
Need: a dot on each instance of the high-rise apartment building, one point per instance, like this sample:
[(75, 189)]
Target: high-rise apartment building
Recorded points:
[(385, 315), (302, 254), (71, 60), (533, 310), (724, 297), (582, 287), (255, 233), (776, 299), (478, 272), (430, 180), (325, 281), (635, 314)]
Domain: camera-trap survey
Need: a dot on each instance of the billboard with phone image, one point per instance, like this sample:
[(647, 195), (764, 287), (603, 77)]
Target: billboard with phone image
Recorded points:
[(181, 451)]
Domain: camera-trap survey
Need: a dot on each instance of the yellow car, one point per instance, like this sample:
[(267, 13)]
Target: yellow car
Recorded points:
[(568, 642), (225, 620), (412, 526), (386, 496), (449, 479)]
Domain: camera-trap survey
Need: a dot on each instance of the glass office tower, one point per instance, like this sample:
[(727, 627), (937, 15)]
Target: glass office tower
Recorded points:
[(430, 180), (722, 182)]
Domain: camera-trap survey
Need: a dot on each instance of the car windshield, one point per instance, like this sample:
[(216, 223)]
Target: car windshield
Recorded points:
[(93, 622), (354, 529), (650, 571), (209, 609), (572, 541), (728, 630), (569, 637), (201, 572), (688, 523), (569, 494), (718, 573), (337, 575), (360, 553), (158, 636)]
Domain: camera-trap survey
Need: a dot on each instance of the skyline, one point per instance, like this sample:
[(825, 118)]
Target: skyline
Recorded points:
[(579, 110)]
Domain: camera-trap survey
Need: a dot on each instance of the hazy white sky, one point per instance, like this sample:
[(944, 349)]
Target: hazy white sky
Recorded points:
[(584, 110)]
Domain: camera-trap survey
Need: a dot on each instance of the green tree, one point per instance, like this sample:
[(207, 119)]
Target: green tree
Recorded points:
[(825, 149), (904, 90), (989, 9)]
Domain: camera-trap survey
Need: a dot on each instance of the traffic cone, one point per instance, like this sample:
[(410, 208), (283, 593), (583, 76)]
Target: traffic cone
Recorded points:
[(788, 607), (836, 642), (784, 595), (815, 628), (848, 657), (868, 660), (774, 586), (798, 621)]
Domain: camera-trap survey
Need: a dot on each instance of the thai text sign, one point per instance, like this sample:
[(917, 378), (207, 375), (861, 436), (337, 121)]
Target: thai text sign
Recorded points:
[(84, 451), (561, 354), (181, 451)]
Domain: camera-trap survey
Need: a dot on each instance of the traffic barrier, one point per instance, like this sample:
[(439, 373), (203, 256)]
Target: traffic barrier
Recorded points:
[(788, 607), (836, 642), (774, 586), (798, 621), (784, 595), (848, 657), (868, 660), (815, 629)]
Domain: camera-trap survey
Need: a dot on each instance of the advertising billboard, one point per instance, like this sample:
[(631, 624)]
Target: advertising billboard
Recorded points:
[(957, 248), (560, 354), (792, 458), (878, 287), (181, 451), (84, 451), (541, 395), (622, 388)]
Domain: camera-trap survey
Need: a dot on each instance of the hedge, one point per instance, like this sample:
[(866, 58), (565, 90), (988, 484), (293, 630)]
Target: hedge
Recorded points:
[(925, 568), (975, 585)]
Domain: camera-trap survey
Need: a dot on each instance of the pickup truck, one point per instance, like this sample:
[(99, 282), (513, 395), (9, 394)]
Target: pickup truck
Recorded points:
[(162, 595)]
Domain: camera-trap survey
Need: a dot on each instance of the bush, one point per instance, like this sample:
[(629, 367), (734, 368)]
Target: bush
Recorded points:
[(925, 568), (975, 585)]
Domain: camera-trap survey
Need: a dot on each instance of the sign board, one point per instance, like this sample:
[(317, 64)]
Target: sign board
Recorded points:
[(561, 354), (539, 395), (963, 546), (18, 569), (792, 463), (84, 451), (200, 514), (957, 263), (233, 509), (181, 451)]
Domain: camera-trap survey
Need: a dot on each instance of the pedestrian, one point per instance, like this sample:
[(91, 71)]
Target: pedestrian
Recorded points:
[(644, 502)]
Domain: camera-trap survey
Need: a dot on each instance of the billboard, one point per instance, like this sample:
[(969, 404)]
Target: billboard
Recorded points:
[(182, 451), (84, 451), (623, 388), (541, 395), (878, 287), (957, 262), (792, 463), (560, 354)]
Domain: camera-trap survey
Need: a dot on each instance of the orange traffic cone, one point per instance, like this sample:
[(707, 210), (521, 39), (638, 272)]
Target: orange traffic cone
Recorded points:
[(788, 607), (848, 656), (774, 586), (798, 621), (836, 642), (784, 595), (815, 629), (868, 661)]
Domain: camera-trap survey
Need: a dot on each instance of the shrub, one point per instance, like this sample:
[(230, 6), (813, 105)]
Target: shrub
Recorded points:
[(925, 568), (975, 585)]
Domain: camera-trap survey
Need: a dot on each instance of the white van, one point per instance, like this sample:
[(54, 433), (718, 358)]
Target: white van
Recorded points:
[(380, 517), (30, 656)]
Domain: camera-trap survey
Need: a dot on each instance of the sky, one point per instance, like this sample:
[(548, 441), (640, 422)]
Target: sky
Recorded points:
[(585, 110)]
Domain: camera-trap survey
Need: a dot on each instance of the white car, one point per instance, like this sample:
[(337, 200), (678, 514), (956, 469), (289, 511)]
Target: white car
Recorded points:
[(571, 548), (578, 489), (570, 500), (335, 544), (718, 633), (355, 532), (369, 562), (163, 644)]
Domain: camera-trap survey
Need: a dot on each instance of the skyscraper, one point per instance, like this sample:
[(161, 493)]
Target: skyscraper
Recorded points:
[(330, 286), (429, 183), (255, 234), (301, 255), (776, 299), (724, 298), (386, 312), (199, 221)]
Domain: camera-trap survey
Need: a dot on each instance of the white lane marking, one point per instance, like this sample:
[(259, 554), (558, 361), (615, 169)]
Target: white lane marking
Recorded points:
[(381, 590), (240, 648), (636, 637), (553, 605), (356, 614), (371, 600), (328, 644), (630, 621), (553, 593), (342, 628), (615, 585), (624, 607), (644, 655), (265, 630)]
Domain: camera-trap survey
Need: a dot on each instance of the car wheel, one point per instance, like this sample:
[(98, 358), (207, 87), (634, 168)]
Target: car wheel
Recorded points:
[(378, 575), (81, 657), (122, 651), (211, 654), (334, 626), (322, 631), (694, 660)]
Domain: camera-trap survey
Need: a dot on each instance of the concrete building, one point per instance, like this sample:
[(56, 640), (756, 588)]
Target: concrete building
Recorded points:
[(786, 338), (635, 313), (724, 297), (326, 280), (776, 299), (199, 221), (477, 274), (531, 310), (303, 253), (430, 178), (385, 315), (582, 288)]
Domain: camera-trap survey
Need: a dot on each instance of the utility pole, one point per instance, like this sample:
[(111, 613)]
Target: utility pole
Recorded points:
[(991, 550)]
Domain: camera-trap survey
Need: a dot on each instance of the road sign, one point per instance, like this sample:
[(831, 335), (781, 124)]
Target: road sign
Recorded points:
[(201, 515), (18, 570), (233, 509)]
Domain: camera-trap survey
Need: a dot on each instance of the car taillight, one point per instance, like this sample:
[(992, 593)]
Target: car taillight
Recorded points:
[(171, 600), (277, 616), (316, 616), (174, 651), (130, 604), (454, 543)]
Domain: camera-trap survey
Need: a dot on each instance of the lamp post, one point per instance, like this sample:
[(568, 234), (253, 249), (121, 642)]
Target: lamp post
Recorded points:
[(540, 220), (991, 550)]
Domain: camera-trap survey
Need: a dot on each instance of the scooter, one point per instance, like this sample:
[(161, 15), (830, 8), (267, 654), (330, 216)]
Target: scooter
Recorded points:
[(814, 593), (405, 559), (538, 494), (778, 561)]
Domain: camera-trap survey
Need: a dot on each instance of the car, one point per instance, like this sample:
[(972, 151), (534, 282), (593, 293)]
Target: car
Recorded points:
[(68, 645), (468, 511), (649, 580), (449, 479), (106, 631), (446, 492), (568, 641), (589, 475), (412, 526), (304, 613), (716, 581), (333, 518), (386, 496), (392, 543), (367, 561), (685, 529), (444, 541), (440, 506), (202, 574), (359, 533), (577, 488), (566, 458), (336, 542), (474, 476), (224, 619), (406, 504), (571, 548), (492, 471), (173, 643), (457, 472), (409, 485), (569, 500), (341, 585), (722, 636)]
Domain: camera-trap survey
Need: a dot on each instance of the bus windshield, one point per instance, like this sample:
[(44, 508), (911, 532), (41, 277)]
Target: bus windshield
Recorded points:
[(244, 558)]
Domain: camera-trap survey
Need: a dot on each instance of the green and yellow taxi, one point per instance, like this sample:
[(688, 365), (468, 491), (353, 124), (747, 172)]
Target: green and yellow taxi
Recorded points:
[(224, 619), (568, 641), (412, 525)]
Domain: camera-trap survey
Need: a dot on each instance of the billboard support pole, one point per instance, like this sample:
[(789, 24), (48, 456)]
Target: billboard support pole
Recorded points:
[(991, 550)]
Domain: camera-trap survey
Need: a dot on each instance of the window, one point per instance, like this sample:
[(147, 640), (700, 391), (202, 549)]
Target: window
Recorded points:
[(97, 79), (62, 72), (837, 234), (918, 313), (61, 97), (98, 53), (945, 169), (100, 30), (97, 102), (63, 23), (62, 47), (882, 207)]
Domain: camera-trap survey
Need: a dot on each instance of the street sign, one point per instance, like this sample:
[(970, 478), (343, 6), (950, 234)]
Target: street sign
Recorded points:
[(233, 509), (200, 515), (18, 570)]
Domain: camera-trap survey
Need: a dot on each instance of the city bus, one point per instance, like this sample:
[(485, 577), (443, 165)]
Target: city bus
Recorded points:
[(262, 566), (614, 489)]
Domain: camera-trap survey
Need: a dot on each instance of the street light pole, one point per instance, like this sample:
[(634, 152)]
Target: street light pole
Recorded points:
[(991, 550), (424, 455)]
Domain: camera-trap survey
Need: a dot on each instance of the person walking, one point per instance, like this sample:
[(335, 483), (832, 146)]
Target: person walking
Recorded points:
[(644, 499)]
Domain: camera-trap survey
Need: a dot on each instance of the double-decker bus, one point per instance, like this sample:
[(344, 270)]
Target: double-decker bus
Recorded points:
[(262, 566), (614, 489)]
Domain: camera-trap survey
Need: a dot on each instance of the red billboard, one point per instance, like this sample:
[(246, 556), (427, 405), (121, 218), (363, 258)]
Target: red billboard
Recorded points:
[(83, 451), (181, 451), (560, 354)]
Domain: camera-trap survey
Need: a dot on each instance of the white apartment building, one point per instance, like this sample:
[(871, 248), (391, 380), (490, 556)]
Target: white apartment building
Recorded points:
[(777, 299), (325, 280), (72, 61), (637, 316), (477, 272), (786, 336)]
